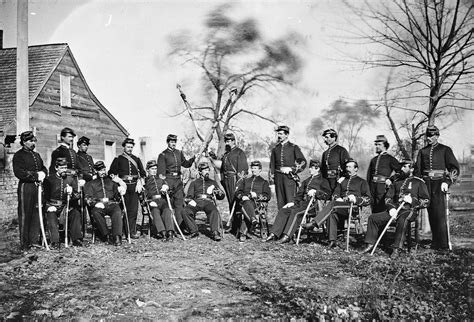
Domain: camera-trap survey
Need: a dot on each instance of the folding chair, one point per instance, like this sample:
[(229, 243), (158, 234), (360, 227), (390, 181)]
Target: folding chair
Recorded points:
[(146, 213), (261, 211)]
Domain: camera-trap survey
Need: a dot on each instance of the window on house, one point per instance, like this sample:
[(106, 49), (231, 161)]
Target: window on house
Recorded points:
[(109, 152), (65, 90)]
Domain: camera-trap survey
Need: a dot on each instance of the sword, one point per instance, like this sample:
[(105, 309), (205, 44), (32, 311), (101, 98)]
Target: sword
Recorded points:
[(450, 246), (348, 227), (66, 242), (385, 229), (126, 219), (303, 219), (174, 217), (40, 214)]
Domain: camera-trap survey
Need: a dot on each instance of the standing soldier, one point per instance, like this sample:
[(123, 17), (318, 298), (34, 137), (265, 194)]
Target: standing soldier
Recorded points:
[(28, 167), (410, 190), (170, 162), (103, 195), (129, 168), (249, 192), (57, 188), (333, 158), (64, 150), (233, 166), (438, 166), (286, 161), (289, 217), (200, 197), (156, 189), (380, 169), (85, 162)]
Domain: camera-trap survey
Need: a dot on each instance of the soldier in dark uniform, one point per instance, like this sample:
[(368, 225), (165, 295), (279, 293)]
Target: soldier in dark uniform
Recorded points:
[(350, 190), (438, 166), (200, 198), (85, 163), (289, 217), (129, 168), (57, 188), (170, 162), (103, 195), (333, 158), (64, 150), (233, 166), (381, 168), (408, 189), (156, 189), (286, 161), (28, 167), (249, 192)]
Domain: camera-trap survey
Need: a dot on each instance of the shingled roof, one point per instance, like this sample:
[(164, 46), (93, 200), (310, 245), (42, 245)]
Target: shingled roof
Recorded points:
[(42, 61)]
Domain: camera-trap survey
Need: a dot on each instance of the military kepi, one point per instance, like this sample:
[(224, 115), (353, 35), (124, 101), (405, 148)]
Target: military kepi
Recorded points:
[(171, 137), (27, 136), (314, 163), (99, 165), (83, 139), (61, 162), (151, 163), (406, 161), (432, 130), (283, 128), (127, 141), (330, 132), (67, 130), (202, 166), (256, 164), (380, 138), (229, 136)]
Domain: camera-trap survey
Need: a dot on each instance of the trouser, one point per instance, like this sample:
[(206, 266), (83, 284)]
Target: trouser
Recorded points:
[(244, 222), (229, 182), (74, 224), (288, 220), (189, 215), (177, 198), (378, 192), (28, 216), (162, 217), (285, 189), (338, 215), (113, 210), (377, 222), (437, 214), (332, 184), (131, 202)]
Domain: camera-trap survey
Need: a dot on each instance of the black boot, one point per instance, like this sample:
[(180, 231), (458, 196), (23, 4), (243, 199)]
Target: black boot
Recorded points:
[(270, 237), (118, 240), (169, 236)]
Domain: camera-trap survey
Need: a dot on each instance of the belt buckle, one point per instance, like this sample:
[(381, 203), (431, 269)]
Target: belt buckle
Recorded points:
[(104, 200)]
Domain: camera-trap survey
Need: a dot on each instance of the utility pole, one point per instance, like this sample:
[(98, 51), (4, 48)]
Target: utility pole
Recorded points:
[(22, 81)]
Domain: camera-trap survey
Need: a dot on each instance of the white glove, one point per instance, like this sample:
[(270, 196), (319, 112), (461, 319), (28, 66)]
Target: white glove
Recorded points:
[(388, 182), (41, 176), (99, 205), (52, 209), (245, 198), (68, 189), (253, 194), (164, 188), (288, 205), (285, 170), (444, 187), (139, 187), (192, 203), (407, 199), (311, 192), (339, 199), (122, 190), (153, 204), (351, 198), (81, 182), (393, 213), (340, 180), (210, 189)]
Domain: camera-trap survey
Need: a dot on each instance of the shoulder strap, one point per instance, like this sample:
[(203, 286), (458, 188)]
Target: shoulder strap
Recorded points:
[(126, 156)]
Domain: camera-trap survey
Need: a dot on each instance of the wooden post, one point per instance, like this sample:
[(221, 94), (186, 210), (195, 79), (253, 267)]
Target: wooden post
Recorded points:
[(22, 94)]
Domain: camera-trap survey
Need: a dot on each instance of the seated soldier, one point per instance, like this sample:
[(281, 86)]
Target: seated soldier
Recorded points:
[(103, 195), (407, 189), (249, 192), (351, 192), (58, 186), (289, 217), (156, 190), (200, 198)]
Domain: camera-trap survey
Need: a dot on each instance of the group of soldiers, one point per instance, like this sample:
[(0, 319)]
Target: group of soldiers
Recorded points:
[(332, 192)]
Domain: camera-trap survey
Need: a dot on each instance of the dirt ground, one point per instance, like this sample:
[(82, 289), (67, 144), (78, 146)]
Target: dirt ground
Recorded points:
[(195, 279)]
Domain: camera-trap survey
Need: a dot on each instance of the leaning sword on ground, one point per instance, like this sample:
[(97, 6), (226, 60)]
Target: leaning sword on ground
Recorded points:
[(304, 217), (174, 217), (386, 227), (126, 219), (40, 214)]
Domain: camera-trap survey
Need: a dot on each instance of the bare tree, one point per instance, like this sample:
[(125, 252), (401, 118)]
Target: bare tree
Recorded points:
[(235, 61), (346, 118), (430, 42)]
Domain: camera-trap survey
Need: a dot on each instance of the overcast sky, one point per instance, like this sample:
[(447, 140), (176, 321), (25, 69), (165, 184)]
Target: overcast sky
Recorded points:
[(121, 47)]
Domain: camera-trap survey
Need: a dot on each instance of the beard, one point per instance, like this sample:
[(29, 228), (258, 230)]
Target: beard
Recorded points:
[(227, 148), (205, 176)]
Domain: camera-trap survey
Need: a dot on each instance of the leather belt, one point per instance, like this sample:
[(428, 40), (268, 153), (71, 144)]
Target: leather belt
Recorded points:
[(379, 179), (55, 202), (203, 196), (173, 174), (332, 174), (154, 197), (434, 174), (130, 178), (104, 200)]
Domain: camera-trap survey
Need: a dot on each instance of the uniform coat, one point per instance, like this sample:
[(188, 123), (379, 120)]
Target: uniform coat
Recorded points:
[(332, 163)]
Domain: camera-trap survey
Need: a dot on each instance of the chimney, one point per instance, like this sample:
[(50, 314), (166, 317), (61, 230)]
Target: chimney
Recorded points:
[(1, 39)]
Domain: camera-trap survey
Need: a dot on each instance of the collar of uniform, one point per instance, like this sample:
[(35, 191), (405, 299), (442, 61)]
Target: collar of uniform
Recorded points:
[(284, 142), (27, 149), (172, 150), (64, 145), (383, 152)]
